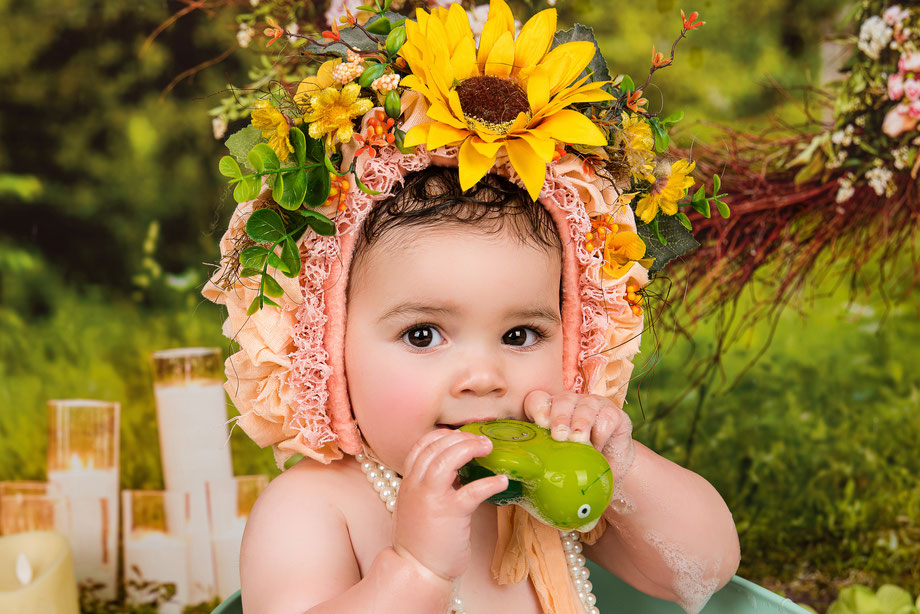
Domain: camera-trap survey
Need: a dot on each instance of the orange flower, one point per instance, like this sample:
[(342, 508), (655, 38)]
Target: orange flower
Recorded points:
[(634, 100), (332, 34), (622, 247), (688, 21), (658, 59), (274, 32)]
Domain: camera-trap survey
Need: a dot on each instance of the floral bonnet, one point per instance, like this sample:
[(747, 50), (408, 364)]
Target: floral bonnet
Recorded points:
[(535, 106)]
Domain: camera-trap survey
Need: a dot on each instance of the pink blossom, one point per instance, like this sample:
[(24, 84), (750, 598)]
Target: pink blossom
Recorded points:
[(912, 89), (909, 62), (913, 110), (896, 86), (894, 15), (898, 121)]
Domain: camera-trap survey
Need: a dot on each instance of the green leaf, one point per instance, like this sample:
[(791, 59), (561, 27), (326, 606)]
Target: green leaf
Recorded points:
[(229, 167), (370, 74), (597, 67), (892, 598), (299, 143), (363, 187), (295, 188), (700, 194), (702, 207), (253, 256), (380, 25), (278, 188), (673, 118), (716, 184), (656, 231), (320, 224), (249, 272), (315, 150), (724, 211), (241, 143), (627, 85), (263, 158), (272, 287), (270, 302), (395, 40), (255, 305), (679, 241), (247, 189), (274, 261), (662, 140), (331, 167), (290, 255), (265, 226), (387, 4), (358, 39), (684, 220), (318, 184)]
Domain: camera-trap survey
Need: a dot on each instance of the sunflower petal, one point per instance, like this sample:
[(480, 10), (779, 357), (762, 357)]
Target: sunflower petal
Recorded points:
[(571, 127), (453, 101), (484, 148), (440, 113), (499, 21), (457, 25), (417, 135), (441, 134), (535, 38), (528, 165), (544, 148), (566, 62), (464, 59), (537, 90), (472, 164), (501, 56)]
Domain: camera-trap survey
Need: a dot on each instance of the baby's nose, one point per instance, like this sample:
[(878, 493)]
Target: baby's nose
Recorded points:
[(480, 375)]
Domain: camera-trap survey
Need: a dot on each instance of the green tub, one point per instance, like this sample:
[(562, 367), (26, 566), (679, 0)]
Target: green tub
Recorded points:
[(615, 597)]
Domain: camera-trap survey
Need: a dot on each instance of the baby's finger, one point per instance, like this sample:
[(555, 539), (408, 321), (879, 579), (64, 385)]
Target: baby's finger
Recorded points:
[(537, 405), (605, 424), (584, 416), (441, 471), (422, 446), (560, 416), (473, 494)]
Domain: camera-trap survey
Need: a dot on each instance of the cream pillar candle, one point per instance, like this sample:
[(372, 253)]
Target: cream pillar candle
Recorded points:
[(230, 504), (31, 506), (194, 445), (52, 588), (83, 467), (155, 551)]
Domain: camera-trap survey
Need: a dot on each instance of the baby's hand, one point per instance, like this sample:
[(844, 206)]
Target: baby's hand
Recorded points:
[(431, 524), (586, 418)]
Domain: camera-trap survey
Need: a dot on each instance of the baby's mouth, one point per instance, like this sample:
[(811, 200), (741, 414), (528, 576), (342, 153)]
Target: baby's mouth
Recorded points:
[(454, 427)]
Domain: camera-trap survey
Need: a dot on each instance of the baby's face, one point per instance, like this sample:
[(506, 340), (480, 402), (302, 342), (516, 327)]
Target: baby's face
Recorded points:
[(447, 326)]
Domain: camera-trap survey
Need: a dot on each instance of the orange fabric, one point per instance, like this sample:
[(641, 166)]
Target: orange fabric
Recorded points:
[(527, 546)]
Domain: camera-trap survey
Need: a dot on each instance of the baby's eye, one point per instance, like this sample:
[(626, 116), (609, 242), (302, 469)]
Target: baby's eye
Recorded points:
[(423, 336), (521, 336)]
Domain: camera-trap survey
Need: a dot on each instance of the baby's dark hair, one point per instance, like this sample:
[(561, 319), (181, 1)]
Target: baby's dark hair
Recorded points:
[(433, 197)]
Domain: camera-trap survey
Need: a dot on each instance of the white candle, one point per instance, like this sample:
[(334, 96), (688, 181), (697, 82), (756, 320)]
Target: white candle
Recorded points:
[(154, 556), (92, 496), (194, 449), (51, 589), (227, 557)]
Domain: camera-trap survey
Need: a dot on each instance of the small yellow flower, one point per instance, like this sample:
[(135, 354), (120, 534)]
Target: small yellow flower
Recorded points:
[(621, 249), (274, 127), (669, 187), (311, 86), (634, 137), (332, 113)]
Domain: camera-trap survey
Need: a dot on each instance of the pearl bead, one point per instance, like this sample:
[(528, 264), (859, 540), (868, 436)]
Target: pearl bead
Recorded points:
[(388, 475), (570, 558), (580, 558), (582, 596), (590, 599), (577, 548), (360, 457), (588, 586), (391, 505), (578, 584), (372, 475), (594, 610), (367, 466), (387, 493), (381, 468), (380, 484), (394, 483), (584, 573)]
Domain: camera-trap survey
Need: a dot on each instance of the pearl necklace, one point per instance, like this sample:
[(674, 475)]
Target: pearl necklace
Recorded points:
[(386, 483)]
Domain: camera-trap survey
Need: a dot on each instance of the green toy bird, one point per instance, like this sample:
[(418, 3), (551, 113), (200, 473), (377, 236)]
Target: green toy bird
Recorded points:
[(565, 484)]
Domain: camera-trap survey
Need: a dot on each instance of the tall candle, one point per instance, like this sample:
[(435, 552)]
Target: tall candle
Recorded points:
[(230, 504), (31, 506), (194, 445), (83, 466), (52, 589)]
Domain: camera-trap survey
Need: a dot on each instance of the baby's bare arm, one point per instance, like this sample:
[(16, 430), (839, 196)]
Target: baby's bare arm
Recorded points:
[(671, 536), (297, 557)]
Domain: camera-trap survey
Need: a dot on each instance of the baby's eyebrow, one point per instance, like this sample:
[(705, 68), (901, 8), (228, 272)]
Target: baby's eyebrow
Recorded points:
[(416, 309), (537, 313)]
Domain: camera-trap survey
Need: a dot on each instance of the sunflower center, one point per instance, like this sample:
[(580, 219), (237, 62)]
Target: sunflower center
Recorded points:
[(492, 101)]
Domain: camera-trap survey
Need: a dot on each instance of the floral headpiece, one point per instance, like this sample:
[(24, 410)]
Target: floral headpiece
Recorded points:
[(397, 95)]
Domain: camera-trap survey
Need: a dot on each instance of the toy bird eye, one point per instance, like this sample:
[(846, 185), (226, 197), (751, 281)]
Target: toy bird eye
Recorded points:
[(584, 510)]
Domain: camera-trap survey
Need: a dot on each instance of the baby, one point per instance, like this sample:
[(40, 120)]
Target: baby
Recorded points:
[(459, 309)]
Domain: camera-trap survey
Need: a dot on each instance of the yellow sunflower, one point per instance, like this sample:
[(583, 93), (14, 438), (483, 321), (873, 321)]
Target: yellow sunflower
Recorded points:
[(621, 249), (670, 186), (506, 94), (274, 127)]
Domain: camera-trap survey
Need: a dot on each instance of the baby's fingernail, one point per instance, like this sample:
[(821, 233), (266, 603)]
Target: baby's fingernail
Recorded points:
[(560, 433), (579, 436)]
